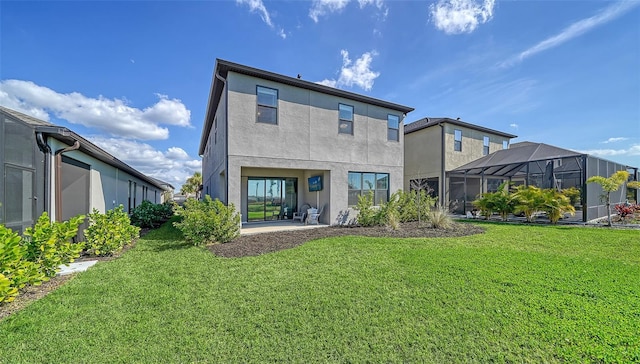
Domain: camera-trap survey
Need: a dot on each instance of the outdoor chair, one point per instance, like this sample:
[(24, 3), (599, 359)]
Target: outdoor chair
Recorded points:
[(302, 214), (314, 215)]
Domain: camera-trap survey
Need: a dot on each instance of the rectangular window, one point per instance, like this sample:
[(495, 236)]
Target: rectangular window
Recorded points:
[(505, 144), (365, 183), (267, 105), (457, 140), (485, 145), (393, 128), (345, 122)]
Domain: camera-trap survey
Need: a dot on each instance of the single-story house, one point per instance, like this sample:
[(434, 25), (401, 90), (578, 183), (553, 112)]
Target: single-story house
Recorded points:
[(49, 168)]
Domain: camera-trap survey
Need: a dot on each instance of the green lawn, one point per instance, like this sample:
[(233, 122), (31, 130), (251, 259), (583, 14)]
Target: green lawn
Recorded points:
[(514, 294)]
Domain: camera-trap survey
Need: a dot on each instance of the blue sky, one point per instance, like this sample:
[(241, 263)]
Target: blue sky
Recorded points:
[(134, 76)]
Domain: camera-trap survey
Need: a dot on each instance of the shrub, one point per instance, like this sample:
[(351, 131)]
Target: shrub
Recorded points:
[(624, 210), (573, 194), (50, 244), (439, 218), (369, 215), (528, 200), (108, 233), (150, 215), (556, 205), (15, 271), (412, 205), (500, 201), (208, 221)]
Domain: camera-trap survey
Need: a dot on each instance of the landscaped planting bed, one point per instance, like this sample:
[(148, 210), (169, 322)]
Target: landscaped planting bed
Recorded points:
[(514, 293)]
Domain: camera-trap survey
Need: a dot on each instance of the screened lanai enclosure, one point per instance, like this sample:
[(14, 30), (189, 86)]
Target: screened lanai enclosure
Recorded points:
[(540, 165)]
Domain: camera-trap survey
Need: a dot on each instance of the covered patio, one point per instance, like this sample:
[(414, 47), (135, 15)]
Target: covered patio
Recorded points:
[(250, 228)]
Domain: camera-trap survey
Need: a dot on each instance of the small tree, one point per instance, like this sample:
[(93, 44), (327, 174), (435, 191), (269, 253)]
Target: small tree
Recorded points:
[(610, 184), (528, 200), (556, 205), (192, 185), (500, 201)]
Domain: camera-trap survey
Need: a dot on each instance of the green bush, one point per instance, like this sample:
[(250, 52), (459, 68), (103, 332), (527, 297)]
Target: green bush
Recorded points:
[(150, 215), (15, 271), (409, 204), (50, 244), (208, 221), (528, 200), (369, 215), (573, 194), (108, 233), (500, 201), (556, 205)]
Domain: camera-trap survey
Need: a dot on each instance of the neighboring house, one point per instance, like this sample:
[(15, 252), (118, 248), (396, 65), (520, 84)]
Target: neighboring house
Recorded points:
[(434, 146), (50, 168), (540, 165), (271, 144)]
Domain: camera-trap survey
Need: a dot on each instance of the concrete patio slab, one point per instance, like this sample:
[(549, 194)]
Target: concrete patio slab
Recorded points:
[(266, 227)]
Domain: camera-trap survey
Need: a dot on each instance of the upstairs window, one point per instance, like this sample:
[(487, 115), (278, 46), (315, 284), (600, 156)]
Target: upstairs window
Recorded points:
[(505, 144), (267, 105), (345, 122), (457, 140), (485, 145), (393, 128)]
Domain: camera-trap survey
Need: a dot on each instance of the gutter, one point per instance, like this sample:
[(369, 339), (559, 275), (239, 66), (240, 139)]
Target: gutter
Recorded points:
[(58, 163)]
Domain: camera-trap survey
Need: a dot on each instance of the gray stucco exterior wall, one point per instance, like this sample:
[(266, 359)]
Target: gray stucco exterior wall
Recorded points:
[(304, 143)]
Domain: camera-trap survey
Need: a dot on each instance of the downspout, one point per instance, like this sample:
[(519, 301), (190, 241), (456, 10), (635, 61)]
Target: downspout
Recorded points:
[(442, 170), (46, 149), (226, 137), (58, 162)]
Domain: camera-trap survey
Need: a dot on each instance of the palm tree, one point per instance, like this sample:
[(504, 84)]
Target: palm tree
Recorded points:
[(610, 184), (556, 205), (499, 201), (192, 185), (528, 200)]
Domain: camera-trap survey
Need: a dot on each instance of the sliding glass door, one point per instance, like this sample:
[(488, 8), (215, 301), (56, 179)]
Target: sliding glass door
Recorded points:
[(271, 198)]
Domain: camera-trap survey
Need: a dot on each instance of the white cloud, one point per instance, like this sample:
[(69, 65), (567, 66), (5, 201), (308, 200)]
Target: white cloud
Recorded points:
[(322, 7), (113, 116), (575, 30), (514, 126), (358, 73), (461, 16), (633, 150), (613, 140), (173, 166), (257, 6)]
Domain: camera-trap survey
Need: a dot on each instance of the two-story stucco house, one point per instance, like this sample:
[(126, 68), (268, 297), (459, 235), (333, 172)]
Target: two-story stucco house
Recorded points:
[(435, 146), (272, 144)]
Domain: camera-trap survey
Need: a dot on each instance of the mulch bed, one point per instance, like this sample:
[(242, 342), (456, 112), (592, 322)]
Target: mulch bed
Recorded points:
[(258, 244)]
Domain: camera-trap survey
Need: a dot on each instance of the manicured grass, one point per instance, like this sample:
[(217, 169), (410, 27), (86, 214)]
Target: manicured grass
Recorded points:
[(514, 294)]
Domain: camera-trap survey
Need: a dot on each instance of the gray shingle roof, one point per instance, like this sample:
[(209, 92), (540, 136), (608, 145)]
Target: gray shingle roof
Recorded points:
[(429, 122)]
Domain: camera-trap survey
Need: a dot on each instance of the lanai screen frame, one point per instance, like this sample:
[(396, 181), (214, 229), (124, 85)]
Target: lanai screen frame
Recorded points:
[(579, 167)]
